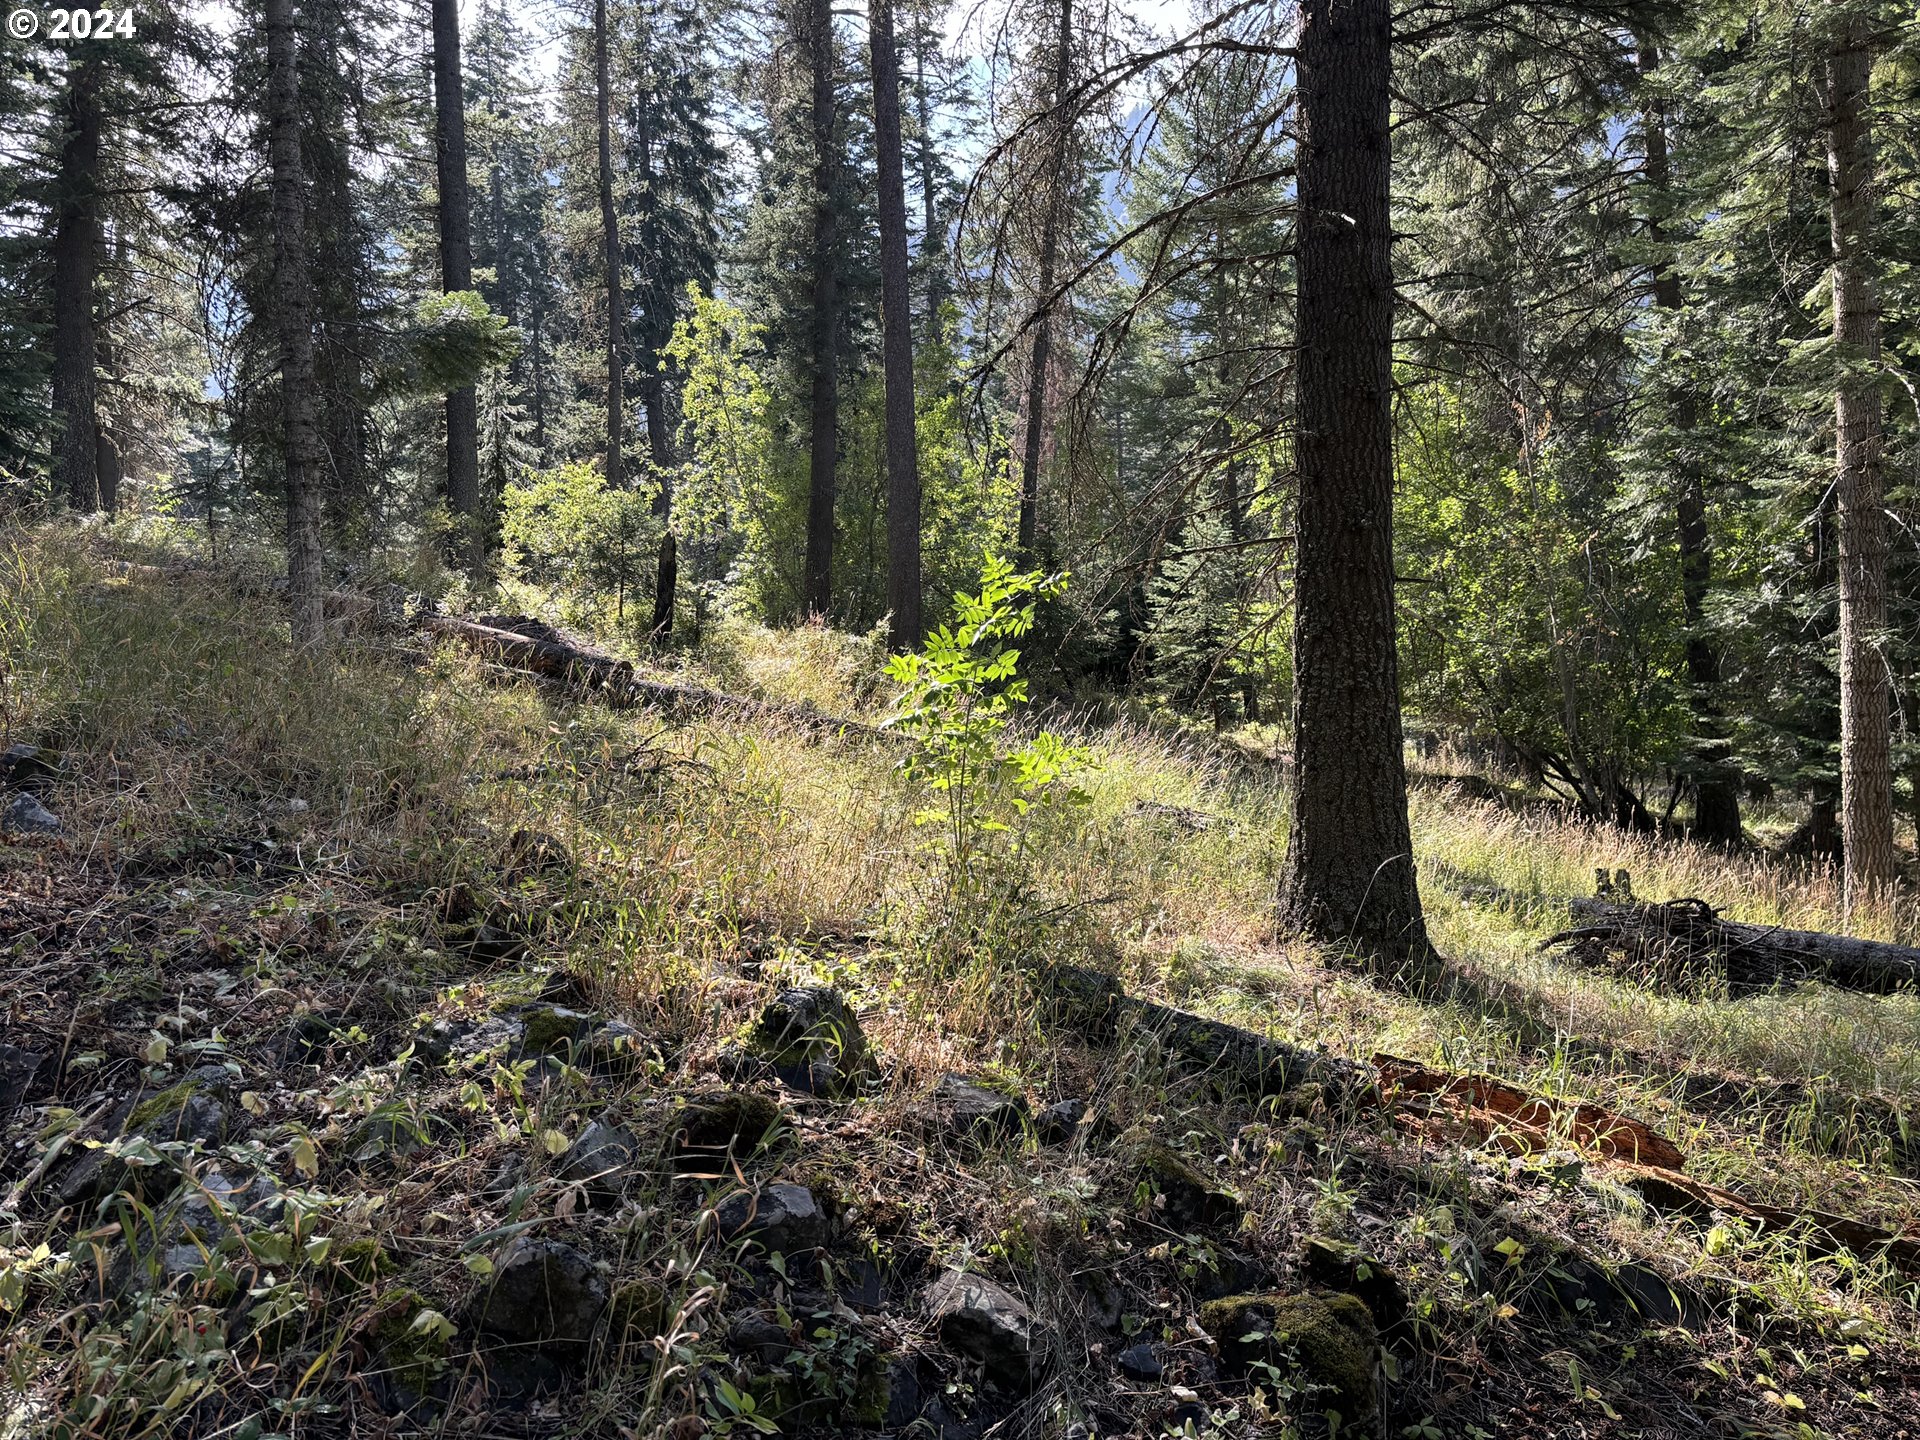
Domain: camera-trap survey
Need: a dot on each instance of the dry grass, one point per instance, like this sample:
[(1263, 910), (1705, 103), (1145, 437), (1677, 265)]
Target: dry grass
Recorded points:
[(714, 858)]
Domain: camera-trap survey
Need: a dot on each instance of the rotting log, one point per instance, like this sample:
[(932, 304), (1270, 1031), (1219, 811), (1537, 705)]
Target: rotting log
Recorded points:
[(1528, 1122), (1753, 957)]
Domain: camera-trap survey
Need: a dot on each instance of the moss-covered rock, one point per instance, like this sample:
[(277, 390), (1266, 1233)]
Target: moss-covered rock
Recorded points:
[(1339, 1265), (362, 1261), (639, 1310), (411, 1339), (722, 1122), (1325, 1339), (808, 1038), (1182, 1192), (552, 1030)]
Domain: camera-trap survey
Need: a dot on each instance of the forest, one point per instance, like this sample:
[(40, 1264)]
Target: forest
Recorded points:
[(1047, 719)]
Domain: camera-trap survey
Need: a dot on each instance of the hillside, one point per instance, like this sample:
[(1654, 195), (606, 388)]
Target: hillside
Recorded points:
[(398, 1045)]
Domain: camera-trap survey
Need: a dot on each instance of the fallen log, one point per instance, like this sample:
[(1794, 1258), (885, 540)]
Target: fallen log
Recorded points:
[(538, 649), (1442, 1105), (1240, 1061), (1683, 934)]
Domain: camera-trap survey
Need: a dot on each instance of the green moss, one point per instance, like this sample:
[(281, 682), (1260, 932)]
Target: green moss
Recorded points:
[(1328, 1339), (1191, 1198), (411, 1353), (549, 1031), (170, 1101), (735, 1120)]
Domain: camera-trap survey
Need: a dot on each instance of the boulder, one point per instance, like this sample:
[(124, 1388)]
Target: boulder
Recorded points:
[(1339, 1266), (719, 1126), (1327, 1340), (25, 815), (980, 1320), (599, 1160), (809, 1039), (1144, 1362), (194, 1111), (216, 1206), (969, 1109), (31, 767), (1183, 1196), (1059, 1122), (543, 1292), (781, 1217)]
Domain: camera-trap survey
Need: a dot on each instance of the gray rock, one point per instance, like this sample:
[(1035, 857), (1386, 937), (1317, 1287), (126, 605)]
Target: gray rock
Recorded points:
[(191, 1112), (25, 815), (1060, 1122), (31, 767), (1142, 1362), (217, 1207), (970, 1109), (543, 1292), (810, 1039), (17, 1069), (599, 1160), (982, 1321), (781, 1217), (760, 1337)]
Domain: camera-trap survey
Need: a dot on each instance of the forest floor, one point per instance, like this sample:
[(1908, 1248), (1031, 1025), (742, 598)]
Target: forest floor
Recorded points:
[(386, 1052)]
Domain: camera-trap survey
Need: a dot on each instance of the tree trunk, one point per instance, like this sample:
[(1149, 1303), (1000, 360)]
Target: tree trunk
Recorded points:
[(653, 394), (76, 260), (1866, 769), (896, 308), (825, 453), (610, 252), (456, 273), (293, 294), (1716, 817), (932, 243), (1349, 875), (1052, 218)]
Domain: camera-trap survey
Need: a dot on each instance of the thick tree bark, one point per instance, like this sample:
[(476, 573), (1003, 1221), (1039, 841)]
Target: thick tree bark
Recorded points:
[(1716, 804), (896, 309), (293, 296), (456, 273), (610, 253), (1349, 874), (76, 262), (825, 451), (1053, 217), (1866, 769)]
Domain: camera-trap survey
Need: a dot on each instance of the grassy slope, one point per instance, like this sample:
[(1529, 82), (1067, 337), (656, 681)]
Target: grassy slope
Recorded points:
[(191, 903)]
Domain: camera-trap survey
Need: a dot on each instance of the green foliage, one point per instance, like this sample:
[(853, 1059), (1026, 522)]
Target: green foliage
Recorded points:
[(957, 703), (566, 529), (454, 340)]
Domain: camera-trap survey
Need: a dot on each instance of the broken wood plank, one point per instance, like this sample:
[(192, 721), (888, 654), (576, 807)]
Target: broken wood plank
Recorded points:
[(1534, 1121)]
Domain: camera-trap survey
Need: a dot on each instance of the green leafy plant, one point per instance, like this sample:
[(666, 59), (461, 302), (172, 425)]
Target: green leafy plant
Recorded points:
[(958, 700)]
